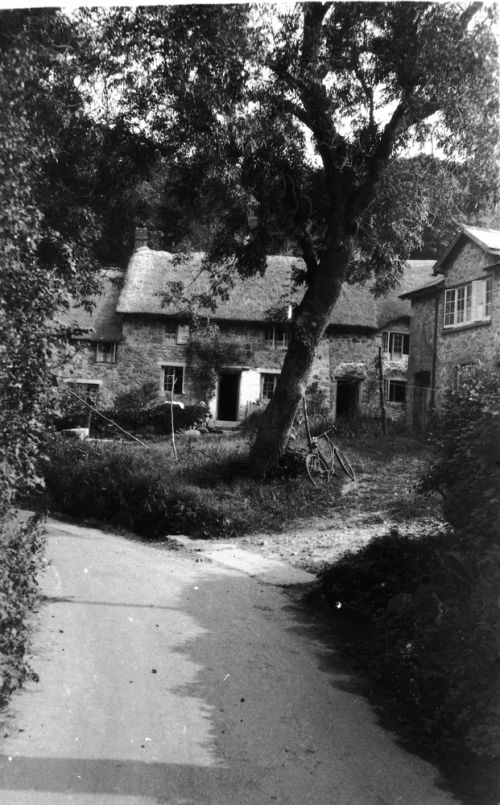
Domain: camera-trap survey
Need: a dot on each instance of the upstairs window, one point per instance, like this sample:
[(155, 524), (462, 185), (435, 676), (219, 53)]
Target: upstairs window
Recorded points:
[(105, 352), (468, 303), (268, 385), (397, 345), (176, 333), (277, 337), (173, 378)]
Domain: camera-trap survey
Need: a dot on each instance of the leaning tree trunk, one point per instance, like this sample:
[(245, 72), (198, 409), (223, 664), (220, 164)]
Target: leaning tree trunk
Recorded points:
[(311, 319)]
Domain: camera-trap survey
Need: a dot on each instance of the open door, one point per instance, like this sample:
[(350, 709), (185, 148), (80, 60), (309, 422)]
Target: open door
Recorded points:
[(228, 396), (347, 397)]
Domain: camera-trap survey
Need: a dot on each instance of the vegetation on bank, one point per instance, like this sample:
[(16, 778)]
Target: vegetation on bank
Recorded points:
[(21, 559), (420, 617)]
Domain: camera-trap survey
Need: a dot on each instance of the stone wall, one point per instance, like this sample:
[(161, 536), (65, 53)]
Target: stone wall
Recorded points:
[(477, 341), (145, 349)]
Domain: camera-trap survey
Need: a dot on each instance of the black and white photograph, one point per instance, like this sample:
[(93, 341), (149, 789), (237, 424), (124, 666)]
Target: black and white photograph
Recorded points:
[(250, 403)]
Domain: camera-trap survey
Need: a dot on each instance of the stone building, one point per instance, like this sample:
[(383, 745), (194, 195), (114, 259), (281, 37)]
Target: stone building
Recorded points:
[(136, 338), (455, 319)]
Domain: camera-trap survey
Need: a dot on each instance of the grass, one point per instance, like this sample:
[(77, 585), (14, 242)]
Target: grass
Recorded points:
[(209, 492)]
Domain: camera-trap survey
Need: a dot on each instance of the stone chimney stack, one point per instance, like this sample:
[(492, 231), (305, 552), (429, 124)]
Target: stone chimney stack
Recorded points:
[(141, 237)]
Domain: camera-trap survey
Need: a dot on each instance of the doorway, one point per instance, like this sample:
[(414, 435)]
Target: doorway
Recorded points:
[(229, 396), (347, 397)]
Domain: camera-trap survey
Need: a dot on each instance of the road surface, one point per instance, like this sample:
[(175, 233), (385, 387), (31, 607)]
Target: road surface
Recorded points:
[(164, 679)]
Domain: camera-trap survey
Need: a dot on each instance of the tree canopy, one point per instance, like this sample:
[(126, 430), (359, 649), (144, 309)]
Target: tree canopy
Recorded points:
[(298, 119)]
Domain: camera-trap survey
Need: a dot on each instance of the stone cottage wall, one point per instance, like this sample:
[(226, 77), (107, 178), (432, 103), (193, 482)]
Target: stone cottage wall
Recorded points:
[(422, 334), (478, 341)]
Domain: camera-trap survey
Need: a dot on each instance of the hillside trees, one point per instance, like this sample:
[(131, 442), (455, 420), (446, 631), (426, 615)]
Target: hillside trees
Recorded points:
[(295, 118)]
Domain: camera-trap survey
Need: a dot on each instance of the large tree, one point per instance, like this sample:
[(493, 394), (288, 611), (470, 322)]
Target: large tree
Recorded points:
[(296, 119)]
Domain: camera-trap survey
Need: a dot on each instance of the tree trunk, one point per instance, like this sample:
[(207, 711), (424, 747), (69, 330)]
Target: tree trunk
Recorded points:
[(311, 319)]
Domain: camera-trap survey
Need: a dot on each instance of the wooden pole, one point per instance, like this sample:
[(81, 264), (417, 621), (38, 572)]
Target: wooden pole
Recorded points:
[(381, 389), (172, 435), (95, 411)]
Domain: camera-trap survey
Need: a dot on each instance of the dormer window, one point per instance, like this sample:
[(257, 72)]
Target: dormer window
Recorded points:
[(395, 344), (176, 333), (277, 337)]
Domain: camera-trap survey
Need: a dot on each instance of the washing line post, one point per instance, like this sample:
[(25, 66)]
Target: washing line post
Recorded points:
[(381, 390)]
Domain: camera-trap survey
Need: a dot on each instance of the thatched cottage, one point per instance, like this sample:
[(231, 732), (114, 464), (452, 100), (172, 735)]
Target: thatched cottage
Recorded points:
[(455, 319), (134, 338)]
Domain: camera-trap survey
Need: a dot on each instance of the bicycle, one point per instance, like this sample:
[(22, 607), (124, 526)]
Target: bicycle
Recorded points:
[(320, 460)]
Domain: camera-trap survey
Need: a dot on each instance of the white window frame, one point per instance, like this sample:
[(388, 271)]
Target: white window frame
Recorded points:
[(390, 338), (266, 377), (105, 351), (277, 337), (468, 303), (389, 388), (165, 374), (170, 332)]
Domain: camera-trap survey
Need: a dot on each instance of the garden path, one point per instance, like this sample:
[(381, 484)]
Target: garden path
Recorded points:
[(191, 679)]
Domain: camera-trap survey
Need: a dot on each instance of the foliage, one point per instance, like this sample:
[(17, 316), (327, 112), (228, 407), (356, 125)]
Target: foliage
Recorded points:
[(45, 232), (421, 616), (21, 551), (292, 124), (467, 435), (155, 419), (208, 492), (207, 353), (425, 629)]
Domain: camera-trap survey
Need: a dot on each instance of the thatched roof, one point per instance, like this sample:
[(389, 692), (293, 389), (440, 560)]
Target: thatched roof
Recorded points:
[(149, 274), (103, 323), (392, 307)]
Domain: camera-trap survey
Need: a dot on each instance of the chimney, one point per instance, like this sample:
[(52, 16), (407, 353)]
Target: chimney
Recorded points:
[(141, 237)]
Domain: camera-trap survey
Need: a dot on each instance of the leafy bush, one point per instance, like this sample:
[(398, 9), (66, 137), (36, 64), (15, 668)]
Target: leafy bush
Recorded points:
[(155, 420), (421, 616), (467, 472), (21, 549)]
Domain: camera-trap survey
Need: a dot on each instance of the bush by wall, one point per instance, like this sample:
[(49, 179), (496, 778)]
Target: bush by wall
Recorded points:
[(21, 557), (421, 616), (154, 419)]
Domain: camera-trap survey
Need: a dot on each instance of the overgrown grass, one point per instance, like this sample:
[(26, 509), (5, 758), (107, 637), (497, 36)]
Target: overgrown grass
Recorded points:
[(21, 558), (208, 492)]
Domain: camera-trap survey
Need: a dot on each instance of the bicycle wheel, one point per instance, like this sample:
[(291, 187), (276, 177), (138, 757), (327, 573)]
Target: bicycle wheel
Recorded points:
[(317, 469), (345, 463)]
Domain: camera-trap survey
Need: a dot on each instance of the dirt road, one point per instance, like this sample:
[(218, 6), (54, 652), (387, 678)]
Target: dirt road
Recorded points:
[(169, 680)]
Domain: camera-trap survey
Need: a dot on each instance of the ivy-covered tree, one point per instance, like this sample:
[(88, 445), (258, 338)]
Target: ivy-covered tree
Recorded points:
[(295, 121)]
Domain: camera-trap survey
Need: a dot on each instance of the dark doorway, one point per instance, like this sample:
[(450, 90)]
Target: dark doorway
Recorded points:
[(421, 397), (229, 394), (347, 399)]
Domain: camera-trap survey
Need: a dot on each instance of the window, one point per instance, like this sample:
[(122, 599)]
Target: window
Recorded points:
[(176, 333), (395, 391), (105, 352), (395, 344), (183, 333), (268, 385), (277, 337), (173, 376), (87, 391), (171, 333), (468, 303)]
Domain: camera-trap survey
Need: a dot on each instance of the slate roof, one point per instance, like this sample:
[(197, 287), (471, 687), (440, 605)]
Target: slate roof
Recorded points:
[(103, 323), (149, 273), (487, 239)]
